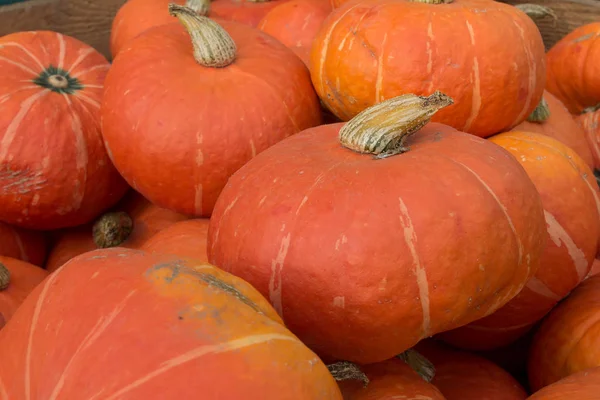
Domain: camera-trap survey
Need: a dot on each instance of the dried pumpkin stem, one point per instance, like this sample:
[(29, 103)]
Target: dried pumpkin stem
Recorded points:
[(112, 229), (4, 277), (536, 11), (213, 47), (346, 370), (591, 109), (419, 364), (201, 7), (541, 112), (382, 129)]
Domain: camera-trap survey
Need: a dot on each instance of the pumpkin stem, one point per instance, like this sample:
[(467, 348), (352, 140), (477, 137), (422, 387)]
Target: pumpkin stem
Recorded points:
[(213, 47), (4, 277), (591, 109), (541, 112), (346, 370), (383, 128), (536, 11), (201, 7), (112, 229), (433, 1), (419, 364)]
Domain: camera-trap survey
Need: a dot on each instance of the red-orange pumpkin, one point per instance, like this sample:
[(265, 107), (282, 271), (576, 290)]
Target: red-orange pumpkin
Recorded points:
[(571, 201), (368, 51), (296, 23), (17, 279), (364, 257), (23, 244), (589, 122), (572, 68), (217, 130), (125, 324), (595, 268), (54, 170), (184, 239), (567, 341), (246, 12), (584, 385)]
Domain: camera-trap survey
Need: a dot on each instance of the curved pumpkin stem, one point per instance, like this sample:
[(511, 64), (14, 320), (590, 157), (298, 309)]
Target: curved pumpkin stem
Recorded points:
[(536, 11), (419, 364), (213, 47), (382, 129), (4, 277), (112, 229), (541, 112), (591, 109), (346, 370), (201, 7)]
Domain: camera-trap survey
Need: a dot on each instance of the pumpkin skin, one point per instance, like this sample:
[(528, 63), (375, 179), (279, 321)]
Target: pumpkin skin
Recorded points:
[(562, 126), (570, 198), (24, 277), (575, 83), (301, 237), (589, 123), (366, 52), (595, 268), (567, 341), (390, 379), (584, 385), (463, 376), (171, 328), (23, 244), (186, 175), (296, 23), (50, 92), (244, 12), (184, 239), (148, 220)]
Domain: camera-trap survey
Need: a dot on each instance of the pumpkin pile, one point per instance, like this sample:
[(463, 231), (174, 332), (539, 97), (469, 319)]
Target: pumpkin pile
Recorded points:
[(301, 199)]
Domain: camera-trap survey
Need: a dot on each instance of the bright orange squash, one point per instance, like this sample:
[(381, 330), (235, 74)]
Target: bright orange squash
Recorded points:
[(584, 385), (246, 12), (184, 239)]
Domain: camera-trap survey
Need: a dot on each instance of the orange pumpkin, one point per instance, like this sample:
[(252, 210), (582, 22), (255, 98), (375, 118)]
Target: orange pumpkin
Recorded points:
[(23, 244), (567, 341), (360, 256), (222, 130), (54, 170), (368, 51), (163, 328), (184, 239), (584, 385), (296, 23), (574, 82), (571, 201), (595, 268), (245, 12), (17, 279), (589, 121)]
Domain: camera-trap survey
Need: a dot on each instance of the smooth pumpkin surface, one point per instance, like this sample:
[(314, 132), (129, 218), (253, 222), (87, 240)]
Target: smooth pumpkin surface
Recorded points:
[(571, 201), (171, 328), (595, 268), (567, 341), (245, 12), (359, 255), (187, 174), (584, 385), (491, 63), (575, 82), (184, 239), (54, 170), (23, 244)]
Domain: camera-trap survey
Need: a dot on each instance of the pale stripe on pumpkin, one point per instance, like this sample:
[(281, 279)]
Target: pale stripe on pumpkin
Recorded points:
[(16, 64), (91, 69), (379, 78), (62, 51), (532, 68), (277, 264), (83, 54), (476, 82), (430, 39), (560, 236), (539, 287), (24, 49)]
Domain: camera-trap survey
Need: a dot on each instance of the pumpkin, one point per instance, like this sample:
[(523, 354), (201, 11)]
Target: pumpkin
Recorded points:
[(584, 385), (595, 268), (369, 51), (463, 376), (567, 341), (161, 66), (360, 255), (245, 12), (54, 170), (23, 244), (131, 224), (574, 82), (164, 328), (17, 279), (588, 121), (185, 239), (136, 16), (337, 3), (571, 208), (295, 23), (551, 118)]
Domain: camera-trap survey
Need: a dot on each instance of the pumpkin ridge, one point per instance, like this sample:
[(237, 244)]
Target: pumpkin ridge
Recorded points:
[(531, 70), (562, 236), (24, 49), (476, 74), (81, 155)]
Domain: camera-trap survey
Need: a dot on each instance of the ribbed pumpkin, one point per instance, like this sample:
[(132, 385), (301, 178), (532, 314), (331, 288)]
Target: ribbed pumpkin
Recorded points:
[(192, 90), (567, 341), (134, 221), (369, 51), (23, 244), (296, 23), (571, 201), (163, 329), (184, 239), (246, 12), (589, 121), (572, 68), (551, 118), (17, 279), (584, 385), (463, 376), (54, 170), (364, 257)]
